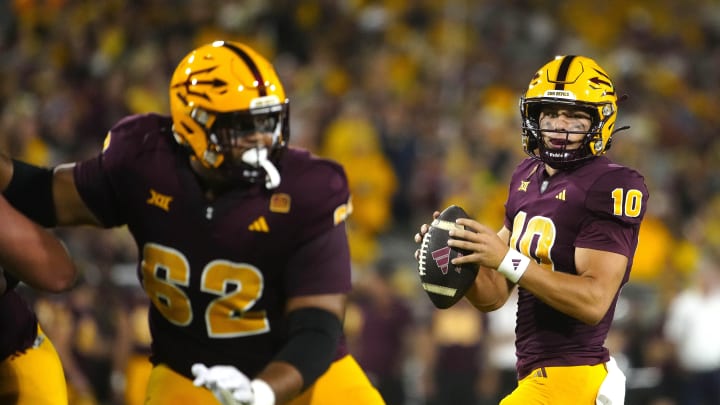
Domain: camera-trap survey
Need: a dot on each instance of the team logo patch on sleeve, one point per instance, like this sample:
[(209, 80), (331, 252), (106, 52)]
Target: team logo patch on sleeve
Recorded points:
[(280, 203)]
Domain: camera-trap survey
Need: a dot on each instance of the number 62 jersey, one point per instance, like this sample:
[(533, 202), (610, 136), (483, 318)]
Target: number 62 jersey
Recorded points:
[(600, 206), (219, 272)]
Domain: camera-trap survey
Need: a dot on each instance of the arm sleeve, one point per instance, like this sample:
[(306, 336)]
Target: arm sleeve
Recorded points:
[(313, 338)]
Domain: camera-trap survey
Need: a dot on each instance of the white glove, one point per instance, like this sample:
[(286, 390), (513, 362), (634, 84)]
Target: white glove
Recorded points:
[(227, 383), (612, 389)]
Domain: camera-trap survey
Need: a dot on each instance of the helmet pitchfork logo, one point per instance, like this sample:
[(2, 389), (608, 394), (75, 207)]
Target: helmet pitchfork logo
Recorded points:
[(201, 84)]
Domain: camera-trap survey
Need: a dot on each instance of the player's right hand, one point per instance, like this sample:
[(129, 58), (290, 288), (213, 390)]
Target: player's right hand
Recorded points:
[(228, 384)]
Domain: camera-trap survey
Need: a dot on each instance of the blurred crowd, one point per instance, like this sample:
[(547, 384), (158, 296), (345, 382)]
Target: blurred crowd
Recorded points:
[(418, 99)]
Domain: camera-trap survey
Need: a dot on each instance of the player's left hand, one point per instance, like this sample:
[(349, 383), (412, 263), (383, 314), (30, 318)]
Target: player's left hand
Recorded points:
[(485, 247), (424, 228), (228, 384)]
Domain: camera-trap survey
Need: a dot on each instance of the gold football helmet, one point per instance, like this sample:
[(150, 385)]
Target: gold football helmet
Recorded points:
[(575, 82), (223, 91)]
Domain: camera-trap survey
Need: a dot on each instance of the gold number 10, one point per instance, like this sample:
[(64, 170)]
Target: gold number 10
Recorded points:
[(628, 204)]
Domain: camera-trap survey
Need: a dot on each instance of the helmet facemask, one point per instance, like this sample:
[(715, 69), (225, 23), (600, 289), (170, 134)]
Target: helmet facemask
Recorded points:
[(561, 157), (250, 141)]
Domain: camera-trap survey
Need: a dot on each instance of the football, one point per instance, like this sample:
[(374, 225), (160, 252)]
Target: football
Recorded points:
[(444, 282)]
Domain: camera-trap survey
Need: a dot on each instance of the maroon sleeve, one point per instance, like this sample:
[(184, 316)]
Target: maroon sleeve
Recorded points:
[(610, 236), (103, 181), (326, 201), (97, 192), (617, 202), (321, 262), (321, 266)]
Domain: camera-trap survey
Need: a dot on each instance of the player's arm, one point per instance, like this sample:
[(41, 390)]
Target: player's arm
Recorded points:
[(48, 196), (314, 314), (586, 296), (33, 254), (315, 328)]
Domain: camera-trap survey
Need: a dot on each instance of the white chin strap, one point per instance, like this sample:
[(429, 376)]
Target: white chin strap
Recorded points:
[(257, 157)]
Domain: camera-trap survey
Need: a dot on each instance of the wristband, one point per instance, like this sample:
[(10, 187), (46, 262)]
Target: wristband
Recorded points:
[(513, 265), (262, 393)]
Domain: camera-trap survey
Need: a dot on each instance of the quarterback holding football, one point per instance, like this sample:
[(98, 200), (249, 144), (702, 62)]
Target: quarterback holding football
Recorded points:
[(570, 231)]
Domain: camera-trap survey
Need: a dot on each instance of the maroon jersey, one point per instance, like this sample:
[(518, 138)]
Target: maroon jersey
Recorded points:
[(18, 324), (219, 273), (598, 206)]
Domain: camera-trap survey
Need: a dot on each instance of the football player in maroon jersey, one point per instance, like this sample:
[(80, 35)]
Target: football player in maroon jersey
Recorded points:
[(242, 241), (30, 369), (571, 227)]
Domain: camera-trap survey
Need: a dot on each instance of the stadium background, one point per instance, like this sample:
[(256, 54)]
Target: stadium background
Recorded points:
[(418, 100)]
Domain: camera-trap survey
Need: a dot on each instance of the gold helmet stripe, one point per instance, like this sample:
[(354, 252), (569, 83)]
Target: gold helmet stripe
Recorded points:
[(562, 72), (262, 90)]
